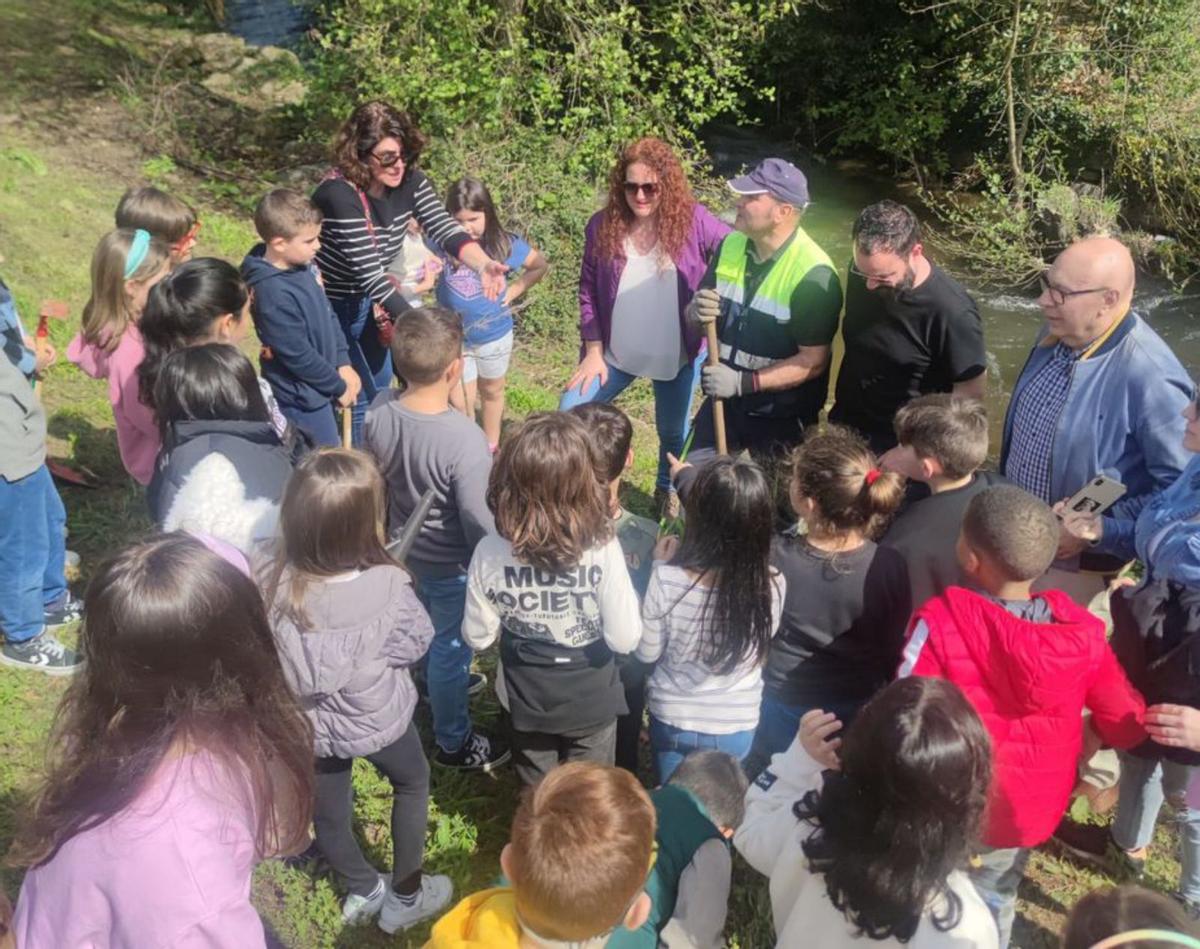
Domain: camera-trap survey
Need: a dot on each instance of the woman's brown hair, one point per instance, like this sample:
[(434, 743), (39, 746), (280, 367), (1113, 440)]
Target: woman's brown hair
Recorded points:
[(548, 492), (180, 658), (367, 126), (835, 469), (676, 204), (331, 521)]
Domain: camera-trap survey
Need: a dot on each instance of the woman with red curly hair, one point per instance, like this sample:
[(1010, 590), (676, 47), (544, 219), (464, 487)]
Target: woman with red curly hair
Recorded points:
[(643, 256)]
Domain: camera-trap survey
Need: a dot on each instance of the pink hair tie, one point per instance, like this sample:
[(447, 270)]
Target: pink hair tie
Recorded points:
[(873, 476)]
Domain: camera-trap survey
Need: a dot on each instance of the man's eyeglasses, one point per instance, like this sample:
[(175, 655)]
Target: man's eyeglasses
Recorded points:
[(634, 188), (1059, 296), (187, 240), (879, 280), (388, 159)]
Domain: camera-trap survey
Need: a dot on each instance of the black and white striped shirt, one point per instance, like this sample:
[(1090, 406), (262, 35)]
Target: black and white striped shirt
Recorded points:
[(354, 262)]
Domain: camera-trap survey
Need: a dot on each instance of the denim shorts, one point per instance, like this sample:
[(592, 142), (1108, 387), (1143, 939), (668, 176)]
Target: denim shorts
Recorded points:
[(488, 360)]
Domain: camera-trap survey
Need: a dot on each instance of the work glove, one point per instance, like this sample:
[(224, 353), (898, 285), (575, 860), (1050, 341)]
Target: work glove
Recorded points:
[(724, 382), (705, 306)]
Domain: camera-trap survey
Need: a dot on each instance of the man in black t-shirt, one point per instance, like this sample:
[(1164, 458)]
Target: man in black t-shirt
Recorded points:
[(909, 328)]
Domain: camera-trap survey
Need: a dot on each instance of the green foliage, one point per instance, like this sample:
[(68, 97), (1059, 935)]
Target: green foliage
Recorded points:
[(158, 168)]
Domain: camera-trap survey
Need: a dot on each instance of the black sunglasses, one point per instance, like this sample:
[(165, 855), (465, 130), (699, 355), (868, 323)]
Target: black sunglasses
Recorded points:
[(650, 188), (387, 159)]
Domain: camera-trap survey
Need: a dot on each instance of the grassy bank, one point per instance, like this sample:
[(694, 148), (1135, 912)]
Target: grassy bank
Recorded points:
[(73, 135)]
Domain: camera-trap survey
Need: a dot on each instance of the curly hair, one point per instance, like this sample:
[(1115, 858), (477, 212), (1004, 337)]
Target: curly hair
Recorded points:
[(367, 126), (675, 207), (904, 811), (548, 492)]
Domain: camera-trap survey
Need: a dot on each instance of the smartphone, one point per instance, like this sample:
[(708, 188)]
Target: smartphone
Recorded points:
[(1096, 497)]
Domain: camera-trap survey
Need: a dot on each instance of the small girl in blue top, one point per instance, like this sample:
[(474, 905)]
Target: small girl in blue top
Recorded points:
[(487, 324)]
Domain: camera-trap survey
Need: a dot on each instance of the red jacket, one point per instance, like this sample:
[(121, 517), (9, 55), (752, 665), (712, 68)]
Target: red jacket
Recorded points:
[(1029, 682)]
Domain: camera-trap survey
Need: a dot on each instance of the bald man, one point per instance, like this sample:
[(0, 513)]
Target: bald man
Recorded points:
[(1101, 393)]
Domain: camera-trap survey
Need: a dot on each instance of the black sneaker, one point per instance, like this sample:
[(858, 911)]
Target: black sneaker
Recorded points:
[(43, 653), (1094, 844), (477, 683), (478, 753), (67, 610)]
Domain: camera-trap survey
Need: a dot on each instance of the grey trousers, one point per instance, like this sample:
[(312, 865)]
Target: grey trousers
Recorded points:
[(403, 764), (535, 754)]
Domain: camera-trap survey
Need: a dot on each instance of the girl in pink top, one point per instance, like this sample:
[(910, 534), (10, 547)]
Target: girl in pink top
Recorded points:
[(125, 266), (181, 760)]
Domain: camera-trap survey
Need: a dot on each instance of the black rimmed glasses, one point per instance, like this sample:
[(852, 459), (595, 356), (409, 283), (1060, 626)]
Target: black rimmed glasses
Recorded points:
[(1059, 296), (634, 188)]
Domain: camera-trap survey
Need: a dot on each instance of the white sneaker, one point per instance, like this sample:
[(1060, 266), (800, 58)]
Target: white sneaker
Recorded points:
[(362, 909), (433, 897)]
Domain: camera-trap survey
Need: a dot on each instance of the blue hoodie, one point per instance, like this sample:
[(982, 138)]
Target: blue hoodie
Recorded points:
[(1123, 418), (303, 344)]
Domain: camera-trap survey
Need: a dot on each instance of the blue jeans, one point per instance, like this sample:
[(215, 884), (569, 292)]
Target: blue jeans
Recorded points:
[(996, 879), (1143, 783), (671, 745), (672, 406), (448, 662), (369, 357), (320, 424), (32, 550), (779, 722)]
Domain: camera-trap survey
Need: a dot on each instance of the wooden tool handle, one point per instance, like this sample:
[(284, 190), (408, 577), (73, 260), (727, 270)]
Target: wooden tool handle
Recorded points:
[(347, 427), (718, 406)]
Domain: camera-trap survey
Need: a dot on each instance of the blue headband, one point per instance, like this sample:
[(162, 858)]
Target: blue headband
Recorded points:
[(138, 249)]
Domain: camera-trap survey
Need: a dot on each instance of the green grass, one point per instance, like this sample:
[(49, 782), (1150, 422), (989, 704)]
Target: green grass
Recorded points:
[(66, 158)]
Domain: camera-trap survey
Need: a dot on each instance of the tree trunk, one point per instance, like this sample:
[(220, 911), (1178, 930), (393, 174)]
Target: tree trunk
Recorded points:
[(1010, 96)]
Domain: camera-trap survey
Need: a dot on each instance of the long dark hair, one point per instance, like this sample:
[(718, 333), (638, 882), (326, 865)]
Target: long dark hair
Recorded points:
[(179, 658), (331, 521), (181, 309), (728, 541), (471, 194), (904, 811), (212, 381)]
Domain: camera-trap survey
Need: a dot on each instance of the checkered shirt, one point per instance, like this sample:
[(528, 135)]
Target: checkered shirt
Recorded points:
[(1035, 420)]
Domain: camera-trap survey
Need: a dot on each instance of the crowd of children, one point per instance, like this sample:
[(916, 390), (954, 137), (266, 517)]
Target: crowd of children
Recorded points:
[(910, 713)]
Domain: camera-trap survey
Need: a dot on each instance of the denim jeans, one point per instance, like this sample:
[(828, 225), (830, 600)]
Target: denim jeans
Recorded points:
[(672, 406), (996, 879), (369, 357), (321, 424), (779, 722), (1143, 785), (671, 745), (32, 549), (448, 662)]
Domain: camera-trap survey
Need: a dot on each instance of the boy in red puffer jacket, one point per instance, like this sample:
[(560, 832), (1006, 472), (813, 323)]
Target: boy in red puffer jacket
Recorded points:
[(1029, 665)]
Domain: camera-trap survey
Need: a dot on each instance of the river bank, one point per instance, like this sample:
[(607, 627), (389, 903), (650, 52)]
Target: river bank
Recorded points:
[(73, 135)]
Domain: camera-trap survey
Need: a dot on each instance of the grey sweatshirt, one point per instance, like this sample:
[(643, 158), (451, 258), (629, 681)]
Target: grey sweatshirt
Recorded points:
[(446, 452), (349, 666), (22, 425)]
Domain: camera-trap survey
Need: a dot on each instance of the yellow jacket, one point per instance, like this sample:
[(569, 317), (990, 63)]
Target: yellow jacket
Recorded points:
[(487, 918)]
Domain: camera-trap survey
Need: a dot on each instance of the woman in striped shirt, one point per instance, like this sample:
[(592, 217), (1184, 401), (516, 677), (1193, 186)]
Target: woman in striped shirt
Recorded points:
[(368, 199)]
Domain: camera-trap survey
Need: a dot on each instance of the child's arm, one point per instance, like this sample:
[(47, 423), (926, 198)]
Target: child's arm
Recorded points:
[(620, 612), (413, 631), (533, 268), (770, 824), (702, 903), (470, 490), (284, 330), (920, 657), (654, 638), (1118, 709), (481, 622)]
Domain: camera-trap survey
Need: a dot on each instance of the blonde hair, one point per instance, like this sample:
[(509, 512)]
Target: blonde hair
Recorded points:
[(107, 314), (163, 215)]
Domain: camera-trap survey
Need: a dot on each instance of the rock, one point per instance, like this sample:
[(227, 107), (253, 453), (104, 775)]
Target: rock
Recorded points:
[(220, 50), (221, 84), (280, 92), (277, 54)]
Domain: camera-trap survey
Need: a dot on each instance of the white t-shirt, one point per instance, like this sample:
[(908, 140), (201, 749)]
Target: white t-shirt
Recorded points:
[(645, 340), (682, 691), (770, 837), (592, 600)]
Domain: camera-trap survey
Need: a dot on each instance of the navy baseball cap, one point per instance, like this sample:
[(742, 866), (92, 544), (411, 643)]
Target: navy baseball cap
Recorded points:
[(780, 179)]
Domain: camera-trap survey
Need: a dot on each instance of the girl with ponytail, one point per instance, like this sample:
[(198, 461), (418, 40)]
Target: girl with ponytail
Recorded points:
[(201, 301), (848, 601), (125, 267)]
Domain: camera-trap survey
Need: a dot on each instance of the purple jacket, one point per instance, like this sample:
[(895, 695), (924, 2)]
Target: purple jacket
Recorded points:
[(599, 277)]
